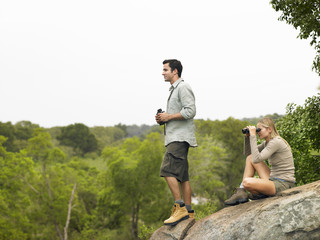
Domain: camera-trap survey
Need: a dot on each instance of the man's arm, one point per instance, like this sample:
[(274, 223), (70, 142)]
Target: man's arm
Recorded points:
[(188, 110), (166, 117), (187, 98)]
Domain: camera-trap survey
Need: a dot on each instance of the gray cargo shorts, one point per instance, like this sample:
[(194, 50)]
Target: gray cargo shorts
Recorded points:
[(175, 161)]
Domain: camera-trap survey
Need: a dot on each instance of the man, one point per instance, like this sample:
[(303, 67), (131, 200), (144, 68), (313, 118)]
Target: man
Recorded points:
[(179, 136)]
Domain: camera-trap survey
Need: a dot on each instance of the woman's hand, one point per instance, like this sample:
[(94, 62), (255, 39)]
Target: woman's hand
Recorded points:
[(252, 130)]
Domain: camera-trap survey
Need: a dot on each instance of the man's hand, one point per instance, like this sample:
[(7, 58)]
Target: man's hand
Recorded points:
[(162, 117), (157, 117), (166, 117)]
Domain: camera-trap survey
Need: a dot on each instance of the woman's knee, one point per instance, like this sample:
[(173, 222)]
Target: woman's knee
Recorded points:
[(249, 161), (247, 182)]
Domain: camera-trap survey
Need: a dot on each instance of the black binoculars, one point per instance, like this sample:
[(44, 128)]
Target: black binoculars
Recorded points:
[(160, 111), (246, 130)]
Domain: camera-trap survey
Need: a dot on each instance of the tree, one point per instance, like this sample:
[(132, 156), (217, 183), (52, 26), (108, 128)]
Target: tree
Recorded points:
[(254, 120), (227, 135), (303, 14), (107, 135), (16, 169), (301, 127), (50, 212), (79, 137), (207, 163), (123, 127), (33, 205), (133, 181), (17, 135), (39, 145), (7, 130), (24, 131)]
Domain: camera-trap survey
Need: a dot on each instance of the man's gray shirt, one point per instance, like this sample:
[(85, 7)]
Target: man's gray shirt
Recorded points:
[(181, 99)]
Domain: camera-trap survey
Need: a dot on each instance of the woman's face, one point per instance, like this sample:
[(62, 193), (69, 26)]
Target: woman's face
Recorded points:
[(265, 133)]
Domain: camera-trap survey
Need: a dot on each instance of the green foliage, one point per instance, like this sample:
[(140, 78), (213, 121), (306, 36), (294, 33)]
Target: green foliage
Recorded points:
[(227, 135), (7, 130), (79, 137), (119, 193), (139, 131), (16, 170), (207, 162), (145, 232), (107, 136), (303, 15), (134, 184), (254, 120), (17, 135), (52, 187), (24, 131), (122, 127), (301, 127), (206, 209), (39, 145)]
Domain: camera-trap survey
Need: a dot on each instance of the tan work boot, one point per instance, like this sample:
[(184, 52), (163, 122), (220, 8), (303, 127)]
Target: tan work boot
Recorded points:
[(180, 213), (173, 209), (240, 196), (191, 213)]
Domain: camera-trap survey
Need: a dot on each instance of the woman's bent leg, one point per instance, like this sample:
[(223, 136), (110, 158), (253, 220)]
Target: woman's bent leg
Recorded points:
[(261, 168), (257, 185), (263, 171)]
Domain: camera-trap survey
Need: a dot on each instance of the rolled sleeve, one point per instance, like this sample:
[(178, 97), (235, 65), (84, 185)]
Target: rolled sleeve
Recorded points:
[(188, 110), (181, 100)]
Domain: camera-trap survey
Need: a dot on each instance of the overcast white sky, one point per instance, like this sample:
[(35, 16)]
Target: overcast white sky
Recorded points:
[(100, 62)]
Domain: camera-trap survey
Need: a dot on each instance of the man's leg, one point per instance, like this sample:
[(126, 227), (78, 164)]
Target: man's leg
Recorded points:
[(174, 187), (179, 211), (186, 192), (172, 165)]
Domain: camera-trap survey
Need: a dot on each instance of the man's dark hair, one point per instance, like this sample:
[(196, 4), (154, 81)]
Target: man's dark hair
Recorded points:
[(174, 64)]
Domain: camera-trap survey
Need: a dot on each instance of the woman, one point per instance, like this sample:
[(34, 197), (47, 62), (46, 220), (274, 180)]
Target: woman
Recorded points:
[(279, 155)]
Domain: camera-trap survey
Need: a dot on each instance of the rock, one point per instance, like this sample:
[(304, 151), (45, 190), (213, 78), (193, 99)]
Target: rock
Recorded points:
[(291, 214), (177, 232)]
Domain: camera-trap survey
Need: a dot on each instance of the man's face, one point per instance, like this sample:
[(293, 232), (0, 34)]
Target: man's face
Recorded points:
[(167, 73)]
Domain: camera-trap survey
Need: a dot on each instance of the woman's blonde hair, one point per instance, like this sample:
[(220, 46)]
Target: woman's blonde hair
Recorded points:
[(269, 123)]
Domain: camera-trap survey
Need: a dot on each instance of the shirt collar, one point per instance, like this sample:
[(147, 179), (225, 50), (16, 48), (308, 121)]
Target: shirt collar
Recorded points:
[(175, 84)]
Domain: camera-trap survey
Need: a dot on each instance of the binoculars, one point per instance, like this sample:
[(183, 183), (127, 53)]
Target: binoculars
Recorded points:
[(160, 111), (246, 130)]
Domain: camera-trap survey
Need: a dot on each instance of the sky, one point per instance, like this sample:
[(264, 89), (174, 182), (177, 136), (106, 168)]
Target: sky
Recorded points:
[(100, 62)]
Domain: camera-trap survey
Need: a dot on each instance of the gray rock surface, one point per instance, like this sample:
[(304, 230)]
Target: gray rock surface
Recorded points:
[(291, 214), (177, 232)]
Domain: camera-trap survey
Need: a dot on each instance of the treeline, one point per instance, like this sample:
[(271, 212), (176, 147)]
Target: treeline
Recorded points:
[(76, 182), (75, 139), (78, 139)]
